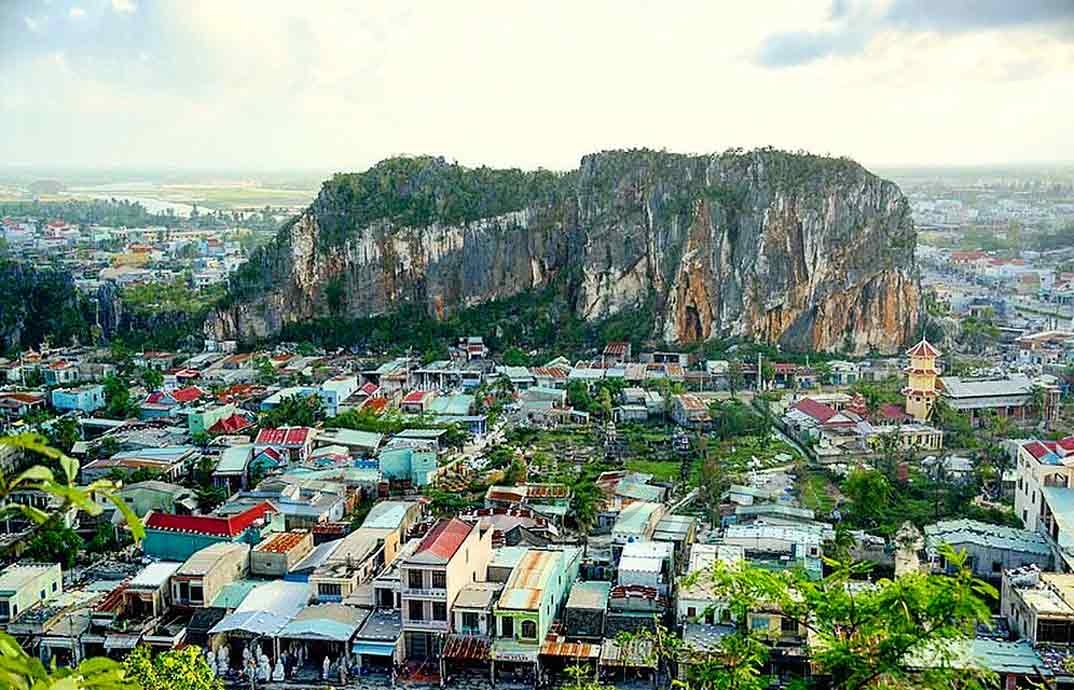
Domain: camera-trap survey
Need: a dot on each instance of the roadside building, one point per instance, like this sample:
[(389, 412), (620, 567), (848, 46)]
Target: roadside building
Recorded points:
[(201, 577)]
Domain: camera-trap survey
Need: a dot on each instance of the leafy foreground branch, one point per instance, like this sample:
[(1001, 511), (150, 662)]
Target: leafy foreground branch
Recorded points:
[(910, 632), (18, 670)]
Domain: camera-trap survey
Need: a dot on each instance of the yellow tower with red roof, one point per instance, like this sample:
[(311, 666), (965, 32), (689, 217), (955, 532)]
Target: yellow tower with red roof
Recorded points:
[(921, 373)]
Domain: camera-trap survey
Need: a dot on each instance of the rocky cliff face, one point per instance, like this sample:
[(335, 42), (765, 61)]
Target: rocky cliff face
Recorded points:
[(808, 252)]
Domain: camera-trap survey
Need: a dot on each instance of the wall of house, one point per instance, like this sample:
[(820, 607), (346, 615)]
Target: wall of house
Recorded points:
[(47, 585)]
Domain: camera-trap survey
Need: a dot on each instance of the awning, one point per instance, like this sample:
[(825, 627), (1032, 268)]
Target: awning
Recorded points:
[(374, 648), (635, 654), (467, 648), (121, 641), (574, 650), (514, 654), (254, 623), (323, 630)]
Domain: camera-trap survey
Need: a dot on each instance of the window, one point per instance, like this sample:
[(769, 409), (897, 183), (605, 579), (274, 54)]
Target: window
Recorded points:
[(469, 621), (197, 593), (759, 623), (788, 626), (4, 610), (507, 627), (42, 594), (53, 586), (415, 579), (417, 611), (439, 611), (325, 589), (529, 630), (997, 566), (439, 580), (691, 612)]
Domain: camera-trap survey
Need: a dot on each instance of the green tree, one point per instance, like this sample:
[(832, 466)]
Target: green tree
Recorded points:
[(177, 669), (117, 398), (295, 410), (54, 542), (152, 379), (900, 633), (17, 669), (266, 374), (515, 357), (64, 433), (578, 396), (735, 379), (868, 491)]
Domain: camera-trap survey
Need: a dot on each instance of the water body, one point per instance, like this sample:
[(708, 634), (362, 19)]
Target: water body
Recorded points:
[(151, 204)]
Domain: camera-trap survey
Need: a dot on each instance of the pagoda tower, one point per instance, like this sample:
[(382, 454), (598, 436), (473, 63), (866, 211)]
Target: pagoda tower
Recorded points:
[(921, 373)]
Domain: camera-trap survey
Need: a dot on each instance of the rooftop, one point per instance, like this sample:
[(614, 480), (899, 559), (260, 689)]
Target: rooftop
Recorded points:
[(204, 560), (442, 541), (282, 542), (526, 585)]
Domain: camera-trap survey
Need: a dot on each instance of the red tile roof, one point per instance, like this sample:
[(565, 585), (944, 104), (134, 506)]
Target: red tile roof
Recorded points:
[(215, 525), (377, 405), (444, 539), (188, 394), (1066, 444), (816, 410), (231, 424), (1037, 449), (616, 348), (891, 411), (415, 397), (369, 388), (284, 436)]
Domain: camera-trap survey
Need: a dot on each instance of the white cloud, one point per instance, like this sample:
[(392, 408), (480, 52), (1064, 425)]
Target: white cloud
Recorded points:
[(521, 84), (31, 23), (76, 12)]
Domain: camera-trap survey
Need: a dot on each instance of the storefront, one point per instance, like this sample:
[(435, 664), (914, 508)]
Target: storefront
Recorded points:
[(558, 655), (465, 656), (512, 663)]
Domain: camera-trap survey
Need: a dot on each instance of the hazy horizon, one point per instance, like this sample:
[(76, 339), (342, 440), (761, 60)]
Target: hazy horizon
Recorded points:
[(275, 86)]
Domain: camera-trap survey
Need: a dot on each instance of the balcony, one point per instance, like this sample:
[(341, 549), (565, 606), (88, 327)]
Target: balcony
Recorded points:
[(430, 594), (425, 625)]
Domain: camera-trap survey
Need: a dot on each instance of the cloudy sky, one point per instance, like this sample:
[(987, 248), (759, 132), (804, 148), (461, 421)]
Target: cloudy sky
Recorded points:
[(274, 85)]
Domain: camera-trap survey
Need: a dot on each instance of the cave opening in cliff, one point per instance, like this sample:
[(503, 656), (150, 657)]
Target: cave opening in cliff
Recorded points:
[(692, 331)]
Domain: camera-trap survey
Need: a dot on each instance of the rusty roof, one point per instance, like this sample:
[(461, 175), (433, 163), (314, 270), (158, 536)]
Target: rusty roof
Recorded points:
[(574, 650), (282, 542), (467, 647), (526, 585)]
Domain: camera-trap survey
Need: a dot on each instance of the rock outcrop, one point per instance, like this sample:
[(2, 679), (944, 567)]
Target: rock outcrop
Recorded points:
[(812, 253)]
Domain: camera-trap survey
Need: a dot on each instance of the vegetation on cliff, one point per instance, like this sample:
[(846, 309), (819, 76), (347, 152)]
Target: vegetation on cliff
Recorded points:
[(40, 303), (422, 190)]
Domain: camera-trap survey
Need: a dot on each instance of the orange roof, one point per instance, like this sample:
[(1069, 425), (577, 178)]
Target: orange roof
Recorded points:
[(923, 349), (282, 542)]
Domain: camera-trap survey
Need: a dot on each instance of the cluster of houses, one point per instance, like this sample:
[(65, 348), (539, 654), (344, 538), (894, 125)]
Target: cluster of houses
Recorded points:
[(125, 256)]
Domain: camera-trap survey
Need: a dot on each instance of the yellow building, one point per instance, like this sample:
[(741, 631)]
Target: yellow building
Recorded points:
[(920, 390)]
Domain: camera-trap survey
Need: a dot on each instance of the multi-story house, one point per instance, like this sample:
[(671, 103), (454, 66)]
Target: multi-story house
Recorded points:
[(452, 555), (1041, 464), (532, 598)]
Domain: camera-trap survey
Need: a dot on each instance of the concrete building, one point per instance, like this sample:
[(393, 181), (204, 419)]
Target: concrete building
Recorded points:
[(201, 577), (532, 598), (1039, 607), (277, 555), (991, 549), (452, 555), (25, 585)]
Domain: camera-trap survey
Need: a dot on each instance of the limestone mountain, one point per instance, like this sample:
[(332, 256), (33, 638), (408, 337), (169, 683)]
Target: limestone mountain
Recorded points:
[(810, 252)]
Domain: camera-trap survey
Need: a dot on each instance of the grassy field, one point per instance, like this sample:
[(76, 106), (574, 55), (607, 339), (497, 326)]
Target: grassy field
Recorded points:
[(662, 470), (817, 492)]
